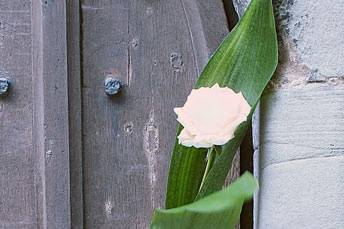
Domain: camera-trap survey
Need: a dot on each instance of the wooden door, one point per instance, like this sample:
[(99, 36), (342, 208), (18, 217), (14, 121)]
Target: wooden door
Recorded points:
[(72, 156)]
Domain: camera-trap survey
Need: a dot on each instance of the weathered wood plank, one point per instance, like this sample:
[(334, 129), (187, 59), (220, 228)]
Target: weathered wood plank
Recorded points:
[(105, 52), (157, 50), (51, 114), (34, 145), (75, 116), (17, 188)]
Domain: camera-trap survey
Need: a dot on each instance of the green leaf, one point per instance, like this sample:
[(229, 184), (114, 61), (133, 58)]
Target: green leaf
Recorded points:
[(219, 210), (245, 61), (186, 172)]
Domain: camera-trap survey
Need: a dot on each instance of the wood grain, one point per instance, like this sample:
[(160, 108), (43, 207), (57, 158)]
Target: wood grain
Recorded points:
[(71, 157), (34, 180), (17, 187), (50, 112), (75, 116), (157, 49), (105, 52)]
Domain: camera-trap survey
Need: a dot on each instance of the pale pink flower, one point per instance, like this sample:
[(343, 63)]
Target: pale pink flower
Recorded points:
[(210, 116)]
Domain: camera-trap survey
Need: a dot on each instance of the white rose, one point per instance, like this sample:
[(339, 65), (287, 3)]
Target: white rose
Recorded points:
[(210, 116)]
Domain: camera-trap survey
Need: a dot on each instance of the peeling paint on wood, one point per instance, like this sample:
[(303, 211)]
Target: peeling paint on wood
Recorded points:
[(151, 147)]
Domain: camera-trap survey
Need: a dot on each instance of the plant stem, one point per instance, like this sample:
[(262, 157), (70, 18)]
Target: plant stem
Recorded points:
[(210, 161)]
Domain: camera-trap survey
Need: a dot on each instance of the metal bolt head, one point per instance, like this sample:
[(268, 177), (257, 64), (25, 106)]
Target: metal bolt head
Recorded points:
[(4, 85), (112, 86)]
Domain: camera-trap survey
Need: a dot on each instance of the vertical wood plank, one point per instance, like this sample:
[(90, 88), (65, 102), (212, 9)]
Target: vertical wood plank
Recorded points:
[(17, 189), (51, 113), (157, 49), (75, 117), (109, 185)]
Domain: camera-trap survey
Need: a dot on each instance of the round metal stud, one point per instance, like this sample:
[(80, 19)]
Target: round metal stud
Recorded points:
[(112, 86), (5, 85)]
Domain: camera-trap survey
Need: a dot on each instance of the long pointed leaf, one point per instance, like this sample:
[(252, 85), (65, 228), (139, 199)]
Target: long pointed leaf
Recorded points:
[(220, 210), (256, 52), (245, 62)]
